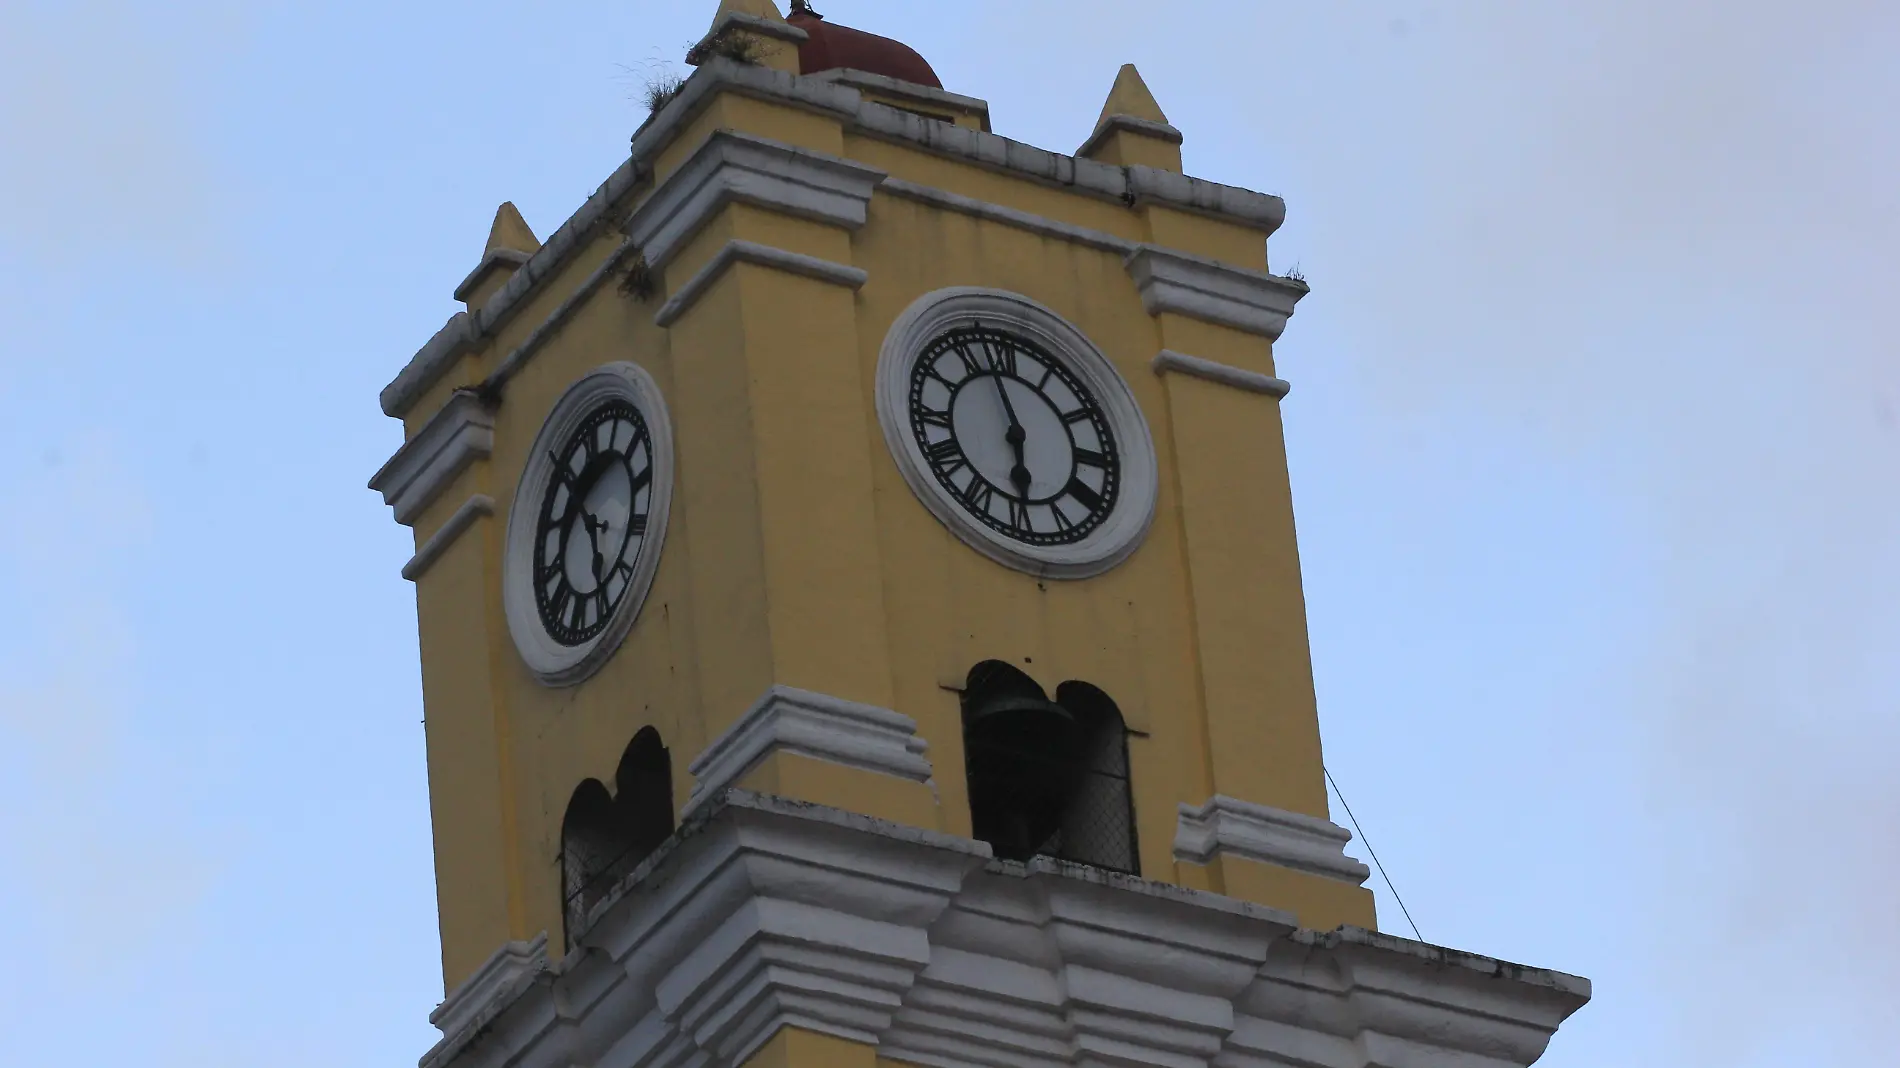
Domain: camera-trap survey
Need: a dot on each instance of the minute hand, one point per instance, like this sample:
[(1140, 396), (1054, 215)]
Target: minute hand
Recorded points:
[(1015, 435)]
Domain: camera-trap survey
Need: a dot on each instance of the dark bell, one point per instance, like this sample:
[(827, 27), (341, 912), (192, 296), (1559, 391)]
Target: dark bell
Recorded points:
[(1019, 749)]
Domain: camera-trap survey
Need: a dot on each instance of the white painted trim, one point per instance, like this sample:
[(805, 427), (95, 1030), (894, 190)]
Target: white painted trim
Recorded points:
[(1227, 826), (763, 256), (466, 331), (494, 983), (811, 724), (1159, 131), (934, 313), (510, 258), (552, 663), (921, 95), (1040, 225), (763, 913), (732, 167), (1225, 374), (452, 528), (427, 464), (1185, 284)]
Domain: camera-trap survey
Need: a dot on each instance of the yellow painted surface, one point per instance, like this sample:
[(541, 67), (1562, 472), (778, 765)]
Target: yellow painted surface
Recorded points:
[(795, 1047), (1130, 96), (796, 554)]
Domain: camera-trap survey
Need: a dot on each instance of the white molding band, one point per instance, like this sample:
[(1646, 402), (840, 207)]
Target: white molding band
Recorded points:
[(452, 528), (1110, 124), (511, 258), (1222, 373), (1227, 826), (1215, 292), (921, 95), (466, 331), (762, 913), (811, 724), (423, 469), (1041, 225), (761, 255), (504, 975), (733, 167)]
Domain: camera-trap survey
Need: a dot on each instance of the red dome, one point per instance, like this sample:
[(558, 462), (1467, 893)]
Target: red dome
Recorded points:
[(832, 46)]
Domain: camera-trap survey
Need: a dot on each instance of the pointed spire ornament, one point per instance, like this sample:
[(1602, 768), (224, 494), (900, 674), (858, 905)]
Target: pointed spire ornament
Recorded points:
[(510, 244), (510, 231), (1133, 129)]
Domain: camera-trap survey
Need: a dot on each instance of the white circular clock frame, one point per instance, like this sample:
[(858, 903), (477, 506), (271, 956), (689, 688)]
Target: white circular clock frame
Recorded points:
[(551, 662), (935, 314)]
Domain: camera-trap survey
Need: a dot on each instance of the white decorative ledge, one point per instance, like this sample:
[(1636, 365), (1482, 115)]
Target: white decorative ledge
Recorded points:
[(761, 255), (1235, 828), (458, 435), (734, 167), (1112, 124), (811, 724), (921, 95), (1224, 374), (476, 507), (1174, 281), (763, 913), (508, 259), (501, 978)]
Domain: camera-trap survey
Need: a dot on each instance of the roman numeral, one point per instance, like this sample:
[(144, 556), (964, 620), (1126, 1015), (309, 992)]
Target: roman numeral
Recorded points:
[(946, 455), (637, 526), (969, 362), (1091, 458), (1063, 522), (1019, 516), (1076, 416), (580, 612), (1081, 491), (977, 495), (557, 604), (933, 418), (562, 472), (1002, 358)]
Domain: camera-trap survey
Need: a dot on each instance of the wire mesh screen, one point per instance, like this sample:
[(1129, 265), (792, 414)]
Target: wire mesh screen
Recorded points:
[(1098, 825)]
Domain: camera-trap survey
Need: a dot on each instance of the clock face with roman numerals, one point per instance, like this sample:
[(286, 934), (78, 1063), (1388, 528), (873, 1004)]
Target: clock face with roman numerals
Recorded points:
[(1016, 438), (593, 522)]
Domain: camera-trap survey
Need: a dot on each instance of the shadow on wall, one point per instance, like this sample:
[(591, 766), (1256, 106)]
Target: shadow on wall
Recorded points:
[(605, 837), (1047, 778)]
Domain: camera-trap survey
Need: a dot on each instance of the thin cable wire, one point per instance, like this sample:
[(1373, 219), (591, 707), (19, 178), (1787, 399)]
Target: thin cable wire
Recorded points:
[(1375, 856)]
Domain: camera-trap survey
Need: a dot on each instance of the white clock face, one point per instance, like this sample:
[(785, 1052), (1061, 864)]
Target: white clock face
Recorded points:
[(1017, 438), (1016, 432), (588, 519)]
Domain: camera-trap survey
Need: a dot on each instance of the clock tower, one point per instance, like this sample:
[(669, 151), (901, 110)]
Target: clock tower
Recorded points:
[(860, 612)]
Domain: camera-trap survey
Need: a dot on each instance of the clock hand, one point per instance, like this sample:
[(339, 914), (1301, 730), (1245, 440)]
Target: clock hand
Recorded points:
[(1016, 436)]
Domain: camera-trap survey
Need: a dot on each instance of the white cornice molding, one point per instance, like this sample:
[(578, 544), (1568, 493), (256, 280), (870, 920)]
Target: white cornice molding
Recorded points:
[(476, 507), (1185, 284), (455, 437), (504, 974), (816, 725), (510, 259), (921, 95), (733, 167), (1111, 124), (1224, 374), (1227, 826), (466, 331), (1041, 225), (761, 255), (763, 913)]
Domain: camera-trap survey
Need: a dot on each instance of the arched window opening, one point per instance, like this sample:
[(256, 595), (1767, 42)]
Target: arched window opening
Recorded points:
[(1047, 778), (605, 837)]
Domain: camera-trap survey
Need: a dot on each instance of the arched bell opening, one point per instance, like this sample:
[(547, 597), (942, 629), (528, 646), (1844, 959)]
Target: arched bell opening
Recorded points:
[(1047, 778), (605, 837)]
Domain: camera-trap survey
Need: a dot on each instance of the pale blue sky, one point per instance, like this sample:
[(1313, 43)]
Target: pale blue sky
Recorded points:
[(1595, 432)]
